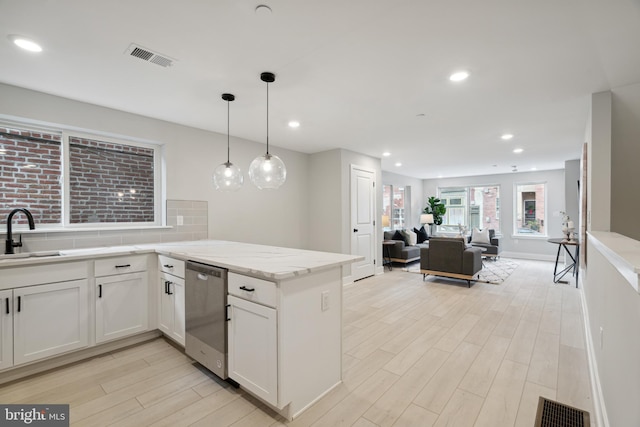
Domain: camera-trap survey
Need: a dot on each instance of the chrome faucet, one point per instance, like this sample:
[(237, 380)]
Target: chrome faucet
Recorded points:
[(10, 243)]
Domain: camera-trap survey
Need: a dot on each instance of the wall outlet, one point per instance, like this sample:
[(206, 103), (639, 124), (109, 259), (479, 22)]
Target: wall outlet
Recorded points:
[(325, 300), (180, 219)]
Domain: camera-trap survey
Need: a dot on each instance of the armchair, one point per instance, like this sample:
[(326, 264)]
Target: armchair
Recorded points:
[(493, 248), (450, 257)]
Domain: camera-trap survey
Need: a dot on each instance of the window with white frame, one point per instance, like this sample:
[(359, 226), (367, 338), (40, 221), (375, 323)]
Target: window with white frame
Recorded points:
[(530, 209), (111, 182), (471, 207), (395, 207)]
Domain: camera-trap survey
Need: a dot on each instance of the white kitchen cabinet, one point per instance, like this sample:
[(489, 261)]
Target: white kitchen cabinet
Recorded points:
[(49, 319), (172, 316), (253, 347), (121, 299), (6, 329)]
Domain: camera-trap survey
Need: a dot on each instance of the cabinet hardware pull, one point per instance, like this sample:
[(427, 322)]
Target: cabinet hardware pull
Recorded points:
[(19, 304), (168, 266), (99, 291), (226, 309), (244, 288), (7, 305), (166, 283), (123, 266), (169, 288)]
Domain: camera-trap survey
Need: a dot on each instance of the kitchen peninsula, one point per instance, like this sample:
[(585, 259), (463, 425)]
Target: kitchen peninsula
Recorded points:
[(285, 310)]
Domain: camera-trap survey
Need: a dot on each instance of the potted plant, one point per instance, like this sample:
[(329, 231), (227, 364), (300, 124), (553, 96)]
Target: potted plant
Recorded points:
[(436, 208)]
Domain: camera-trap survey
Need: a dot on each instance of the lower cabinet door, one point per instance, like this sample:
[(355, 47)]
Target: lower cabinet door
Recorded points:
[(121, 306), (171, 316), (253, 348), (6, 329), (177, 290), (165, 321), (49, 320)]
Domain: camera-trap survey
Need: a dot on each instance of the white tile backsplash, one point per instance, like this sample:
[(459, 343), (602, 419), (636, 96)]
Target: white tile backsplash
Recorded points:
[(195, 215)]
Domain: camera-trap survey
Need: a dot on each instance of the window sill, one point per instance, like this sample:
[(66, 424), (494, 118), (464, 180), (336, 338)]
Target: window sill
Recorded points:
[(529, 237), (38, 230)]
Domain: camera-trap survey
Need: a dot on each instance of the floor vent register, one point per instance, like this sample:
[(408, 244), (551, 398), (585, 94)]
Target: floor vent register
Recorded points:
[(555, 414)]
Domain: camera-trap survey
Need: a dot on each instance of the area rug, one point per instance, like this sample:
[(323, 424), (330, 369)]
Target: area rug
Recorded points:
[(494, 272)]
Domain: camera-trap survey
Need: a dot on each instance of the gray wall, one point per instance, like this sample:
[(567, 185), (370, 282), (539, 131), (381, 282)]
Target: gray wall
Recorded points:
[(598, 138), (249, 215), (571, 196), (412, 217), (521, 247), (625, 161)]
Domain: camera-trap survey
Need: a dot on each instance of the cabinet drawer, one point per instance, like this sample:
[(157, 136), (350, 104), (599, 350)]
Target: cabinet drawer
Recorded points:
[(171, 265), (252, 289), (120, 265)]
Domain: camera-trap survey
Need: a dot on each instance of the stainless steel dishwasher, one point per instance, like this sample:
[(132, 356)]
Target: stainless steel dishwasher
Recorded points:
[(206, 316)]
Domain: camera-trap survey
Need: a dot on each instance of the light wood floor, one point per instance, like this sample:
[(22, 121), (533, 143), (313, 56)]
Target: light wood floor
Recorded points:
[(432, 353)]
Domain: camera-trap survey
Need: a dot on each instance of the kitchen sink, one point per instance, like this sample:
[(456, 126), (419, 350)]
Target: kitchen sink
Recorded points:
[(40, 254)]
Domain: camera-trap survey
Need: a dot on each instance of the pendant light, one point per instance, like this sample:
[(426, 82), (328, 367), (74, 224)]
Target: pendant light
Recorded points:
[(268, 171), (227, 176)]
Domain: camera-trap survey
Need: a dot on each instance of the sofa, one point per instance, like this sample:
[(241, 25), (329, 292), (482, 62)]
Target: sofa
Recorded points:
[(450, 257), (402, 252), (492, 249)]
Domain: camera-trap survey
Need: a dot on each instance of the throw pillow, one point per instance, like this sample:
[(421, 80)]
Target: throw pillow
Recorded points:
[(398, 236), (422, 235), (407, 238), (413, 238), (480, 236)]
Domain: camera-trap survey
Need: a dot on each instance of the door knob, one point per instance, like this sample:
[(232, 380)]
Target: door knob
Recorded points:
[(355, 230)]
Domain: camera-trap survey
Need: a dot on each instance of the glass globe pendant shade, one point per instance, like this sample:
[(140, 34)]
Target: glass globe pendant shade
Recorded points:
[(267, 172), (227, 177)]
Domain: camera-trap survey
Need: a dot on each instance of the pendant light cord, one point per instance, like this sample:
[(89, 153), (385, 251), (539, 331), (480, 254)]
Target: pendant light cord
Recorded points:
[(228, 156), (267, 118)]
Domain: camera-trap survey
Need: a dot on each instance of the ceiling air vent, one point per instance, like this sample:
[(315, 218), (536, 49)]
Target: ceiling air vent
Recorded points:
[(149, 55)]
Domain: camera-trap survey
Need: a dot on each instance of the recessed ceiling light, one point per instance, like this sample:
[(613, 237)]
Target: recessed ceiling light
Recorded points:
[(294, 124), (398, 164), (386, 154), (518, 150), (439, 176), (459, 76), (507, 136), (534, 168), (25, 44)]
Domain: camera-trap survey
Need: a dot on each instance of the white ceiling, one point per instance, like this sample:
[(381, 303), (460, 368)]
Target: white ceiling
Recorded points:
[(357, 74)]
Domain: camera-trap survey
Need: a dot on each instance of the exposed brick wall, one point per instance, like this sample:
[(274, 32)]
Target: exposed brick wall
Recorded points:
[(110, 182), (30, 172)]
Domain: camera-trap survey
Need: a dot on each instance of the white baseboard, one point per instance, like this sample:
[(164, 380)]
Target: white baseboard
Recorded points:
[(528, 255), (599, 407)]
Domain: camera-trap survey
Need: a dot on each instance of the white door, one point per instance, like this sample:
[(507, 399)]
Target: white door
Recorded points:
[(6, 329), (121, 306), (362, 221), (49, 320)]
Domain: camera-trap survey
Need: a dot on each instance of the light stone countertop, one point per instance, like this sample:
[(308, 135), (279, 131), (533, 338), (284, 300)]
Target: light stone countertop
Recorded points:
[(271, 262), (623, 252)]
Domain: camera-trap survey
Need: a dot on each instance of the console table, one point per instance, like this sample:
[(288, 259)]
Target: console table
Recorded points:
[(386, 253), (564, 243)]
